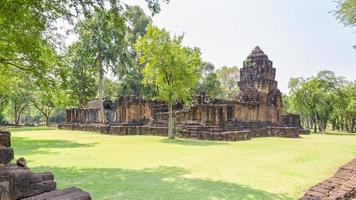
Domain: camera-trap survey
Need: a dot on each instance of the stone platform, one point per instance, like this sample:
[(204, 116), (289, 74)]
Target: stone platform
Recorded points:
[(342, 186), (201, 133), (18, 182)]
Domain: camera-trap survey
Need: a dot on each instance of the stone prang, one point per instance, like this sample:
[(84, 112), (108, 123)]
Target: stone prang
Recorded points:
[(257, 111)]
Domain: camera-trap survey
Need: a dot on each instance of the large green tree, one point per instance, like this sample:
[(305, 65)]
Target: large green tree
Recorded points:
[(322, 99), (81, 81), (131, 81), (105, 48), (169, 66), (29, 41)]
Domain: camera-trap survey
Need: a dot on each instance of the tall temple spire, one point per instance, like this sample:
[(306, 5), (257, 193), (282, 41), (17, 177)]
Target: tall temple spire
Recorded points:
[(257, 53), (257, 73)]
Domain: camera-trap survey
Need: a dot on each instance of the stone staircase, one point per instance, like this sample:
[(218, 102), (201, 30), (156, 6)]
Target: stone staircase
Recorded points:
[(18, 182)]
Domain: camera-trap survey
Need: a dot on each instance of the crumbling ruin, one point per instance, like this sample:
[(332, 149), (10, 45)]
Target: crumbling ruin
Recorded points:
[(255, 112), (18, 182), (341, 186)]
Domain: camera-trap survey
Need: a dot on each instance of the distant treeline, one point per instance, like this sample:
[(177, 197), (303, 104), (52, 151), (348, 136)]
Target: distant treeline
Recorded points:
[(323, 99)]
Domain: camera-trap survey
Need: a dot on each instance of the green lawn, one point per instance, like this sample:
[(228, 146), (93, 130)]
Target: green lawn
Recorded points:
[(148, 167)]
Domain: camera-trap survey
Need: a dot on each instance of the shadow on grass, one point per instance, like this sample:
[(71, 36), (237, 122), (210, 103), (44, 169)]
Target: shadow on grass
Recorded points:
[(192, 142), (152, 184), (25, 146)]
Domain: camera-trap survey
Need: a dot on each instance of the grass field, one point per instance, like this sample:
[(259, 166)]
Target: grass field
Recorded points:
[(148, 167)]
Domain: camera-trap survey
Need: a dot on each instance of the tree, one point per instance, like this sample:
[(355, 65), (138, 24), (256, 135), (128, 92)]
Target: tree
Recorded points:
[(27, 29), (105, 48), (209, 83), (19, 99), (346, 13), (111, 88), (228, 77), (45, 100), (287, 104), (131, 81), (169, 66), (322, 99), (81, 81)]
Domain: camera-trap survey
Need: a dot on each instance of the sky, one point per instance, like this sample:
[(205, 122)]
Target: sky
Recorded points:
[(301, 37)]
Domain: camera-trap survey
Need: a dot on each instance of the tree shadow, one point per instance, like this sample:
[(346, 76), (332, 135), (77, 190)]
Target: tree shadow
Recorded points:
[(192, 142), (26, 146), (152, 184)]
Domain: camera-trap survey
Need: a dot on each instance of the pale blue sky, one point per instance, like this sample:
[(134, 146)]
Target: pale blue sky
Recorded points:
[(301, 37)]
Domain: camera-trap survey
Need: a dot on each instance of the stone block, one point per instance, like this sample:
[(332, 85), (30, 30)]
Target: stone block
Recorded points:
[(24, 183), (5, 171), (6, 155), (5, 139), (66, 194)]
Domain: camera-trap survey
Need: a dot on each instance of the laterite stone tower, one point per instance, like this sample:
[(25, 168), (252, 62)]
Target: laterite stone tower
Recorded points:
[(258, 88), (258, 73)]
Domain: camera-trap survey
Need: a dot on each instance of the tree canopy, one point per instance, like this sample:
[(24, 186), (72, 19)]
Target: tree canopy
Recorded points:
[(169, 66), (346, 13)]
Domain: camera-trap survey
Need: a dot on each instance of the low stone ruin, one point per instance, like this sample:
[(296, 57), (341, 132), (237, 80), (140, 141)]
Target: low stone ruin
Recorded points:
[(18, 182), (255, 112), (342, 186)]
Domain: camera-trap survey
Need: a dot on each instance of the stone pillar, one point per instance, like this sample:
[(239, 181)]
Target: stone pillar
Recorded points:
[(204, 113), (128, 118), (224, 113)]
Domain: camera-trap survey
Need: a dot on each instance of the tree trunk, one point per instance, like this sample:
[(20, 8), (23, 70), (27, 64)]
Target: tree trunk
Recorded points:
[(315, 121), (333, 125), (170, 121), (18, 110), (101, 88), (47, 120), (17, 120), (342, 123), (315, 127), (347, 125), (320, 125)]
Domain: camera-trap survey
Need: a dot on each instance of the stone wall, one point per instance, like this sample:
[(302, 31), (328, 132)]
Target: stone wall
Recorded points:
[(192, 132), (18, 182), (342, 186), (292, 120)]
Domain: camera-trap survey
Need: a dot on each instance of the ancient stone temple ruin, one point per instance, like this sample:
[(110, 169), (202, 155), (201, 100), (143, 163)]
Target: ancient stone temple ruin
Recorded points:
[(255, 112), (17, 181)]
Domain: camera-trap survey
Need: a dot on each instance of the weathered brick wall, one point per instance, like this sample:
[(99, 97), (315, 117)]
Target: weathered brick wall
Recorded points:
[(342, 186), (221, 136), (18, 182), (193, 131)]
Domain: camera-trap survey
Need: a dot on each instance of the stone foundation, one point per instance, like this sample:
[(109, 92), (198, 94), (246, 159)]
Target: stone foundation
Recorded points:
[(342, 186), (194, 132), (222, 136), (19, 182)]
